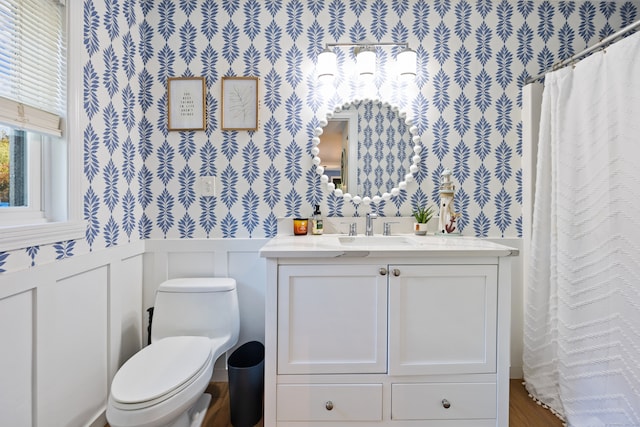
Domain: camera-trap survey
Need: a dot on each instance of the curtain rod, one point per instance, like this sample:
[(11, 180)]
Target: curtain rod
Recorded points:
[(585, 52)]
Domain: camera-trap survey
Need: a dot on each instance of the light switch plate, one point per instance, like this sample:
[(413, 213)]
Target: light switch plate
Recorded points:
[(207, 186)]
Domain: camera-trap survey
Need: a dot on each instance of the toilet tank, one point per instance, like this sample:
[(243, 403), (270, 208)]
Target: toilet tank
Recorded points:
[(206, 306)]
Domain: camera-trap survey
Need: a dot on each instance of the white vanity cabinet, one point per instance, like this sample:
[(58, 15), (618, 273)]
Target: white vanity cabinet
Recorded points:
[(387, 340)]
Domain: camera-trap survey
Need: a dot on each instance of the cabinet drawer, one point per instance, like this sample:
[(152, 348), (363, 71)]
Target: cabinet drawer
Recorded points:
[(427, 401), (329, 402)]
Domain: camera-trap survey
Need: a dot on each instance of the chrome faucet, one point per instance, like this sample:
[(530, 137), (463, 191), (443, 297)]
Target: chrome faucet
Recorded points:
[(386, 227), (353, 230), (369, 224)]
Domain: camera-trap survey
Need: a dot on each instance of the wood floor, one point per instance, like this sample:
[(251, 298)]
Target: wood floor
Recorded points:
[(218, 413), (523, 411)]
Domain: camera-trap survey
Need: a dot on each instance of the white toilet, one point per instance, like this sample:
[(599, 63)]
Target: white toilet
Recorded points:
[(195, 320)]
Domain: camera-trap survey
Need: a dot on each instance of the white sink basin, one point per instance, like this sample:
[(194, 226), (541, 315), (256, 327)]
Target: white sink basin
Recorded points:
[(376, 241)]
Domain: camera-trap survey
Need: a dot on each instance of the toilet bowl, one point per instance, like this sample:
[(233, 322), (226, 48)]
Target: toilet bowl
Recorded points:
[(163, 384)]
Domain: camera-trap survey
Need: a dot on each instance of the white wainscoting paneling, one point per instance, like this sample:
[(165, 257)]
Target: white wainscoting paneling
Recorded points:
[(72, 347), (126, 299), (65, 328), (16, 338)]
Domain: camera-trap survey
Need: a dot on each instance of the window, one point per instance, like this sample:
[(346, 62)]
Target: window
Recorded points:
[(20, 169), (39, 188), (12, 188)]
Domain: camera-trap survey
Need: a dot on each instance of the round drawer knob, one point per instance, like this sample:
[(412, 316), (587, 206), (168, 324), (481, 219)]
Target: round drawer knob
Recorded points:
[(383, 271), (446, 404), (329, 405), (396, 272)]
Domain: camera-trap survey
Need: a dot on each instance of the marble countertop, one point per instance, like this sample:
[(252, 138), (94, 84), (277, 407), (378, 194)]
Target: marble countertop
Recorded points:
[(410, 245)]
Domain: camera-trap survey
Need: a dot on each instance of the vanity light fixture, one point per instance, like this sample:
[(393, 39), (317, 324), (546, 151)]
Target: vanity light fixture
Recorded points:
[(365, 59)]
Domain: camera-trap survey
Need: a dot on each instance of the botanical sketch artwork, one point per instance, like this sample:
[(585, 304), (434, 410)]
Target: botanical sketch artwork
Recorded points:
[(239, 103)]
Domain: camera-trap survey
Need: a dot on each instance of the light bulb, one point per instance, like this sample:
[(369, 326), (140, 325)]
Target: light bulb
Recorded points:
[(366, 61), (327, 64), (406, 61)]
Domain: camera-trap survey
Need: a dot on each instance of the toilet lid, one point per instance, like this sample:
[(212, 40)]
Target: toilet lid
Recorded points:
[(198, 284), (160, 368)]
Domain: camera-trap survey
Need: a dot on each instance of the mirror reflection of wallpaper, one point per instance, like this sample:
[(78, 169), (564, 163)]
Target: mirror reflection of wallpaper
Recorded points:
[(384, 149)]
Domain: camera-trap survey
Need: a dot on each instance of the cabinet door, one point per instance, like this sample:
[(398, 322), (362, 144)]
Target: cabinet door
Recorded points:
[(331, 319), (442, 319)]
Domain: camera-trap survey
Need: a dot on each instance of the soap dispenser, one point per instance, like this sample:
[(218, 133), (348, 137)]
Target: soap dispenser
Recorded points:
[(316, 221)]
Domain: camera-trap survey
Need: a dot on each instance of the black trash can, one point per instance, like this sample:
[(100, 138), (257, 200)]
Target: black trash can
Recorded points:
[(246, 384)]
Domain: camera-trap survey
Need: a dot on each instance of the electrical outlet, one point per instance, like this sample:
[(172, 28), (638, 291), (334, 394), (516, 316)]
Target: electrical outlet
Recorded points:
[(207, 186)]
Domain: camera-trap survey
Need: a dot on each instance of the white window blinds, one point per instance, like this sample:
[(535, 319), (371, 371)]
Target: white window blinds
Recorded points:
[(32, 64)]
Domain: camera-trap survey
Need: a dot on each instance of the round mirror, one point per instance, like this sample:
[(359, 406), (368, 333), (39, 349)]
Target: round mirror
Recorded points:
[(370, 151)]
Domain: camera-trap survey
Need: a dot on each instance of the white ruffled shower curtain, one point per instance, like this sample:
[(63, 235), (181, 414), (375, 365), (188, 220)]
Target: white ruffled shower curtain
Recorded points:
[(582, 302)]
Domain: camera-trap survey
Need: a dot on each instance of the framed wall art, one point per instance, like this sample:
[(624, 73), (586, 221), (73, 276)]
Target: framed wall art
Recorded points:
[(239, 103), (186, 103)]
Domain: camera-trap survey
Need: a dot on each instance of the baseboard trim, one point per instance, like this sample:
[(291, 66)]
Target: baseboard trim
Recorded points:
[(101, 421), (220, 376), (515, 372)]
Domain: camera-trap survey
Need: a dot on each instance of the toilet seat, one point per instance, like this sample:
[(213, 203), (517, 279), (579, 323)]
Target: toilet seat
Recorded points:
[(152, 375)]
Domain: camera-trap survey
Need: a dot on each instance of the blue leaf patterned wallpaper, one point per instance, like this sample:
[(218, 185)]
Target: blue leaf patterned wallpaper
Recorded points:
[(473, 56)]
